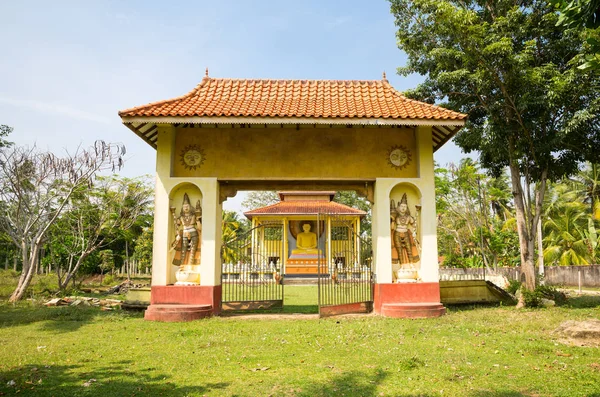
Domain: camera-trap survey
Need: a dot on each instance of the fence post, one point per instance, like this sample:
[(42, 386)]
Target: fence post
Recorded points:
[(579, 279)]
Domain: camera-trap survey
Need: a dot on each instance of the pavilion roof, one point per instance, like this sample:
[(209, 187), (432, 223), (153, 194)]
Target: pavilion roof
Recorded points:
[(305, 207), (223, 100)]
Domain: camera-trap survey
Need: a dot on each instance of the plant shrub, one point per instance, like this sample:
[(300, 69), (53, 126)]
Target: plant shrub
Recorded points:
[(531, 298), (534, 298), (109, 279), (513, 286)]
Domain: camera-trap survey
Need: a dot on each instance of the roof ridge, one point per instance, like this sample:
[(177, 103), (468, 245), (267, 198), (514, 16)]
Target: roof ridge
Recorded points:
[(301, 80), (335, 99), (260, 208), (401, 95), (300, 202), (165, 101)]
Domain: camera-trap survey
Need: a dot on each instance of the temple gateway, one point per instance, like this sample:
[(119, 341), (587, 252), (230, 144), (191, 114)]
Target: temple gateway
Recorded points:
[(306, 139)]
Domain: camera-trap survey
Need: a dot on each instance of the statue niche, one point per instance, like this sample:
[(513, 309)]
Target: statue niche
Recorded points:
[(187, 243), (405, 242)]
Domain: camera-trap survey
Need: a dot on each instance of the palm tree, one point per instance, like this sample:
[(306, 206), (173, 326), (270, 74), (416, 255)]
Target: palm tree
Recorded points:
[(566, 240), (231, 230), (588, 180)]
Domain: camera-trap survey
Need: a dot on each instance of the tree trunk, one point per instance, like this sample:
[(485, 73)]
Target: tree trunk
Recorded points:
[(15, 263), (127, 261), (29, 268), (6, 261), (526, 238), (72, 272), (540, 248)]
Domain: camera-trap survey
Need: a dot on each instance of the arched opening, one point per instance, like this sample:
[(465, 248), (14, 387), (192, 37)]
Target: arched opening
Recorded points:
[(304, 252)]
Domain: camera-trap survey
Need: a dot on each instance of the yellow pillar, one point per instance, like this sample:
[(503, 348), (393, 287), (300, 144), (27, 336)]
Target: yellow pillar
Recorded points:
[(163, 221), (284, 254), (428, 223)]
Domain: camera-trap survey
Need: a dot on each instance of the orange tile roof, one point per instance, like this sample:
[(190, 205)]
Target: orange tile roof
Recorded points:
[(305, 207), (216, 97)]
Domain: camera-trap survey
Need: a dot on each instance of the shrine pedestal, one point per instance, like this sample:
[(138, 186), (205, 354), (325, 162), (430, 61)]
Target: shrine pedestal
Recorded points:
[(172, 303), (408, 300), (305, 264)]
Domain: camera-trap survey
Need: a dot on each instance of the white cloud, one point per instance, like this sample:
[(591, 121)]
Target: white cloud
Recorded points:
[(56, 109)]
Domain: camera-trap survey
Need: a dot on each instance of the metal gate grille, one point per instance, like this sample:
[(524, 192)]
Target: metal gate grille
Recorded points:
[(347, 287), (251, 275)]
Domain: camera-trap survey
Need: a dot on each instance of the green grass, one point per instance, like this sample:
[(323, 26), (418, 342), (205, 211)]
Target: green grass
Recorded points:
[(472, 351)]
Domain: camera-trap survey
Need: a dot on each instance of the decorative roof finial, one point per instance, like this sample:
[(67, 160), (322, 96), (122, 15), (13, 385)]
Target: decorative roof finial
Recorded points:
[(384, 76), (206, 73)]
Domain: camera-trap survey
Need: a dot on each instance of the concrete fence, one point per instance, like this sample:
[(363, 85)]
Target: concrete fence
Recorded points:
[(584, 276)]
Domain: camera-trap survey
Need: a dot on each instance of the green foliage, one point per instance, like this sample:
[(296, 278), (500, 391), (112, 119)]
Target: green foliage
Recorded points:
[(583, 13), (4, 132), (352, 199), (260, 198), (107, 261), (508, 66), (513, 286), (570, 225), (534, 298), (531, 298), (143, 247), (474, 217), (109, 279)]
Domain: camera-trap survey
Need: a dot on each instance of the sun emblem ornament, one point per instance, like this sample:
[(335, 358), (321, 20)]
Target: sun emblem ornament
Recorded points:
[(399, 157), (192, 157)]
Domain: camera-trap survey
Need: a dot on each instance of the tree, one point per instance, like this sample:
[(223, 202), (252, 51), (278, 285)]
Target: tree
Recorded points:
[(352, 199), (587, 184), (232, 227), (4, 132), (95, 217), (36, 187), (143, 247), (473, 216), (260, 198), (565, 239), (583, 13), (107, 261), (506, 64)]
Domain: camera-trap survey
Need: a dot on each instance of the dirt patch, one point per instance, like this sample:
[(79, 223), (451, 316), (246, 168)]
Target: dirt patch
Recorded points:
[(579, 333)]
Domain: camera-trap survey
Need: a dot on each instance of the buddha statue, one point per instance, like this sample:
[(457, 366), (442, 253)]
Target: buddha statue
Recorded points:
[(306, 242)]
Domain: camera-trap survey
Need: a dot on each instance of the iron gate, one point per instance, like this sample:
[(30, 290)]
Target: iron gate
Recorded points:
[(251, 269), (347, 284)]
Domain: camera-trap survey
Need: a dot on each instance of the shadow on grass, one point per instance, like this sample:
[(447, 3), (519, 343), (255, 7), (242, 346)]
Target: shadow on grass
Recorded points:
[(55, 319), (498, 393), (471, 306), (74, 380), (301, 309), (350, 384)]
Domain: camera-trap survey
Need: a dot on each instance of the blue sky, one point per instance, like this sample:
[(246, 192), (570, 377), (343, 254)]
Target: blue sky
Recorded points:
[(68, 67)]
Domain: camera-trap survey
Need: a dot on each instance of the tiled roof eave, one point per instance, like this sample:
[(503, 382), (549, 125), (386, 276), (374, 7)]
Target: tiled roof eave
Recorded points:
[(292, 120)]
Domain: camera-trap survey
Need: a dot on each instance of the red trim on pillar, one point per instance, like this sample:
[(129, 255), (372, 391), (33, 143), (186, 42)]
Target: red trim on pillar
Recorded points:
[(187, 295), (408, 300)]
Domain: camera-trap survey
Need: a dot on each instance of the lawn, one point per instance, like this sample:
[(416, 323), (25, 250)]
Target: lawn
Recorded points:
[(472, 351)]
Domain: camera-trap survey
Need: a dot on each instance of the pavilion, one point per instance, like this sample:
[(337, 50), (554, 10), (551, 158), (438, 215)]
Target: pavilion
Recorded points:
[(336, 225), (229, 135)]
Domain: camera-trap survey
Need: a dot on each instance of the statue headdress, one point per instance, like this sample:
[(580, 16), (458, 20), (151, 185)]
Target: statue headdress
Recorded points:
[(186, 200), (404, 201)]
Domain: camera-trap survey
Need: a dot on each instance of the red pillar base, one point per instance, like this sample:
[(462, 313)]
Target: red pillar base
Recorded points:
[(408, 300), (183, 303)]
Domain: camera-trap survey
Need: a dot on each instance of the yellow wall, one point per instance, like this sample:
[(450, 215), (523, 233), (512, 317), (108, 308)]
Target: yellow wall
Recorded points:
[(309, 152)]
